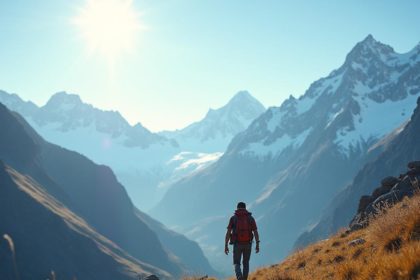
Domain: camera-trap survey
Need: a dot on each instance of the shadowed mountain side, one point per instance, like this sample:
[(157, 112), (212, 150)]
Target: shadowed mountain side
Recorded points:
[(19, 148), (188, 252), (49, 237), (402, 148), (89, 190), (96, 195)]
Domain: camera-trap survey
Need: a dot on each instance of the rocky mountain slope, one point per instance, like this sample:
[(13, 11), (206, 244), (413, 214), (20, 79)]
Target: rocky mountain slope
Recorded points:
[(402, 147), (292, 160), (90, 191)]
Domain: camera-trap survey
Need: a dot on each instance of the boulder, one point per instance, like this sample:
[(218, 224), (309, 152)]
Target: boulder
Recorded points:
[(357, 226), (414, 165), (365, 200), (381, 191), (389, 181), (391, 191), (151, 277), (413, 172), (384, 200), (356, 242), (404, 186)]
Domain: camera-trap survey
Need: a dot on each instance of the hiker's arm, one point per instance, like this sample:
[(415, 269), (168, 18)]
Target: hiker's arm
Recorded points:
[(257, 241), (227, 237)]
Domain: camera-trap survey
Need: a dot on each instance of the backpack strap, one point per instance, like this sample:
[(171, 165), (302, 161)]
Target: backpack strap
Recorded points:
[(234, 222), (250, 222)]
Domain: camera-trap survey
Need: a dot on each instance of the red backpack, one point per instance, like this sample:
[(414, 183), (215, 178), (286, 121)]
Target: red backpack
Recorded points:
[(242, 229)]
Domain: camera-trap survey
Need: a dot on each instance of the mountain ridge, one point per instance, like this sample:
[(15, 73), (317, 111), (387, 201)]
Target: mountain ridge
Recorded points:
[(145, 162), (219, 125)]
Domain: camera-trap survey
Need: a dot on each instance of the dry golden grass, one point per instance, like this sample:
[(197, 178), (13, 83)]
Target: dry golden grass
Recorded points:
[(391, 251)]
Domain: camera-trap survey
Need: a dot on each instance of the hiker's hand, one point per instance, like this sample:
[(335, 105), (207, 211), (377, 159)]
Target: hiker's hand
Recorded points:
[(257, 249), (226, 249)]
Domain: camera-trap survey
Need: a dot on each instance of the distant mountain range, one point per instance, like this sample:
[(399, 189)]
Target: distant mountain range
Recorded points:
[(67, 113), (69, 215), (145, 162), (293, 159), (214, 132)]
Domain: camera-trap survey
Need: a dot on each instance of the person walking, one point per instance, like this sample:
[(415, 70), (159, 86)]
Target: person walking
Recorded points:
[(241, 231)]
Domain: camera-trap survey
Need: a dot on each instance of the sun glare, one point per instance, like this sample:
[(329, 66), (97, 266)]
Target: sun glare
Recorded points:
[(109, 27)]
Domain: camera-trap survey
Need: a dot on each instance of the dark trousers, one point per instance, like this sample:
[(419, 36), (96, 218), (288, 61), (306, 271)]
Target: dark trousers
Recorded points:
[(241, 251)]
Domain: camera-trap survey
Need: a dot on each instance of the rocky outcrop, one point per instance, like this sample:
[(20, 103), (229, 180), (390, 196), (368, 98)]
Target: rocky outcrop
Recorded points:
[(391, 191)]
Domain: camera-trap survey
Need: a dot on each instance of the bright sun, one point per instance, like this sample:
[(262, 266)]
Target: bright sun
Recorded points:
[(109, 27)]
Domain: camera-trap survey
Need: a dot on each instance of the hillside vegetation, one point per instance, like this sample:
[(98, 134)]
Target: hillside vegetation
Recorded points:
[(389, 248)]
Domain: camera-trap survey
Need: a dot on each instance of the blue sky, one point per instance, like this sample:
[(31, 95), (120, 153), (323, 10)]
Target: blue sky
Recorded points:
[(192, 55)]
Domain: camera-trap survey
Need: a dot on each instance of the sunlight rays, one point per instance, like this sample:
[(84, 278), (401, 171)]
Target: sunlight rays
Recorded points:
[(109, 27)]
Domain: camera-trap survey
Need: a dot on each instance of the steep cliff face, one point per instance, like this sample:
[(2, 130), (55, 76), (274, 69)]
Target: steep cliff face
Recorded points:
[(402, 147)]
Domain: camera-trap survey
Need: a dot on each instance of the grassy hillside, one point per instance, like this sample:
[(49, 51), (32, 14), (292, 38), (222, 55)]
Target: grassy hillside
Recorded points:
[(389, 248)]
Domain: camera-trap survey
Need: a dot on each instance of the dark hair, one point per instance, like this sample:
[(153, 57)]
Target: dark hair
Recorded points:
[(241, 205)]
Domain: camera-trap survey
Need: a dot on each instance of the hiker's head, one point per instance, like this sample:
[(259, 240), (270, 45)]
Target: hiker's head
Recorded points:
[(241, 205)]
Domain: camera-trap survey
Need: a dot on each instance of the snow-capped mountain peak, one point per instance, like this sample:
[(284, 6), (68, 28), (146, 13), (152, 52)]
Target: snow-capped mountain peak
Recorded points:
[(369, 49), (241, 107), (68, 112), (67, 115), (241, 98), (373, 83), (219, 126), (376, 54)]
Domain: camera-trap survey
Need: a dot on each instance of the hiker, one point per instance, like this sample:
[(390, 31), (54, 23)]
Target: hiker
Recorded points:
[(240, 233)]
